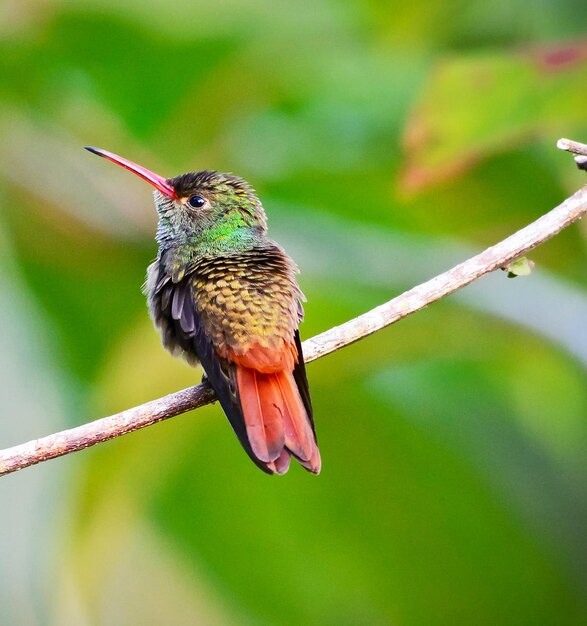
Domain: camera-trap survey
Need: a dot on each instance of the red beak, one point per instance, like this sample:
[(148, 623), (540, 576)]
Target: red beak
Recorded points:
[(157, 181)]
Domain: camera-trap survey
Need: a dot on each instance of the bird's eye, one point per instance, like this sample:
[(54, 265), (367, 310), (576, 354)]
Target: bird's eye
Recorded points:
[(196, 202)]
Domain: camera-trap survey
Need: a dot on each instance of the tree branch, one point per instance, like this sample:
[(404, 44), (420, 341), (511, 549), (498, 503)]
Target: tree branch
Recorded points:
[(497, 256)]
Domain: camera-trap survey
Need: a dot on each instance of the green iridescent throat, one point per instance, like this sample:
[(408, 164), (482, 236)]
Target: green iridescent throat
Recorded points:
[(229, 237), (235, 233)]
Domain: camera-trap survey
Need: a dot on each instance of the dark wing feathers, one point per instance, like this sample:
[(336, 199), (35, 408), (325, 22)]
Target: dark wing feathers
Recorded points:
[(179, 294), (301, 379), (189, 334), (182, 306), (187, 320), (174, 311)]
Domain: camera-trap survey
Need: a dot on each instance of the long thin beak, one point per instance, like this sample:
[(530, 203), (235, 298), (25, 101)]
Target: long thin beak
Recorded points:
[(157, 181)]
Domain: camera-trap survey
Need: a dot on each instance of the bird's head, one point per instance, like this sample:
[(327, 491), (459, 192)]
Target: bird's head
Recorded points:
[(200, 207)]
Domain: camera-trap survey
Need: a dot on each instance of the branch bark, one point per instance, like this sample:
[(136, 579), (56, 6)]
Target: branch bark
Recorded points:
[(497, 256)]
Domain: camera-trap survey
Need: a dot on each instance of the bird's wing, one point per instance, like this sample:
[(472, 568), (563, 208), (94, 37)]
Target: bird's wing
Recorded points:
[(240, 320), (174, 310)]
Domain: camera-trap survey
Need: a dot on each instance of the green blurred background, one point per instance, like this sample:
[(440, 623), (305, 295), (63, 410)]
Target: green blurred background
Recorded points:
[(387, 140)]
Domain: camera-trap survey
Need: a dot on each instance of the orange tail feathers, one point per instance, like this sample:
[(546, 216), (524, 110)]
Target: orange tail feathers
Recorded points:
[(276, 421)]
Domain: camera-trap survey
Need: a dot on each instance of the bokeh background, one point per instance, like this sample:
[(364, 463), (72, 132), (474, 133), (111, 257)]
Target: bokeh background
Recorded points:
[(388, 140)]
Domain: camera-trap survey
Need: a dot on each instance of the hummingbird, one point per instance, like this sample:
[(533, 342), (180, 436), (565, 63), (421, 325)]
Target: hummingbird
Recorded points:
[(224, 295)]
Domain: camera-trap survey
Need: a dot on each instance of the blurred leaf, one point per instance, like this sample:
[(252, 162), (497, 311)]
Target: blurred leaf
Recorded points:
[(136, 576), (519, 267), (474, 106)]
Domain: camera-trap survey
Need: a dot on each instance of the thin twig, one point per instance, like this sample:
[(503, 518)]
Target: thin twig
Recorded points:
[(498, 256), (578, 149), (572, 146)]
